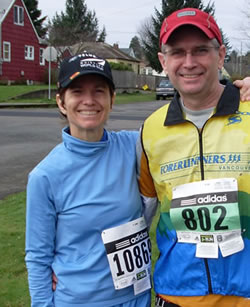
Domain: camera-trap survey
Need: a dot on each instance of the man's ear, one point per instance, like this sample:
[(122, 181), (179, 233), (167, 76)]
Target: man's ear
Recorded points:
[(61, 105), (162, 60), (222, 54)]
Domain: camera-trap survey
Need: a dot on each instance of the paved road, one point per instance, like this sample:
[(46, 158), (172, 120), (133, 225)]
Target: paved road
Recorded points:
[(27, 135)]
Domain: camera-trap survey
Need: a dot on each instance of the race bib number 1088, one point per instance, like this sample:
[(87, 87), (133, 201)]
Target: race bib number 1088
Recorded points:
[(128, 250)]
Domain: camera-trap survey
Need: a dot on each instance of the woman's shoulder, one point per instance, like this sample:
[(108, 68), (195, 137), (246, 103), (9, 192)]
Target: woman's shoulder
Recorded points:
[(51, 160), (125, 135)]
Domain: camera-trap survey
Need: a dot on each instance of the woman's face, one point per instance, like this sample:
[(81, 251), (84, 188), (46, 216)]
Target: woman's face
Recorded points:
[(87, 103)]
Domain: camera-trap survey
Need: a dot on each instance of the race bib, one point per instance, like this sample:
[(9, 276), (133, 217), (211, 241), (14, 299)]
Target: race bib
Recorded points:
[(206, 213), (128, 250)]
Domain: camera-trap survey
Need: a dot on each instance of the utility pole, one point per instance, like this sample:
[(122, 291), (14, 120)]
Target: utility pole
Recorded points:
[(240, 58)]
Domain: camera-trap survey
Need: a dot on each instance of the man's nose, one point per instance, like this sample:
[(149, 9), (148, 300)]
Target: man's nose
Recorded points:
[(189, 59)]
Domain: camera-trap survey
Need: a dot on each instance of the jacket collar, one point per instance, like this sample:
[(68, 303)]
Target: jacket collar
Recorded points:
[(228, 104)]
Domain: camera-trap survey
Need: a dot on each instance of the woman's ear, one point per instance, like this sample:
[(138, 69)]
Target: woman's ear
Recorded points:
[(112, 101), (60, 104)]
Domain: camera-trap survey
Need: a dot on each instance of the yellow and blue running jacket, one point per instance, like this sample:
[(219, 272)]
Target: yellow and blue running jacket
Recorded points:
[(173, 152)]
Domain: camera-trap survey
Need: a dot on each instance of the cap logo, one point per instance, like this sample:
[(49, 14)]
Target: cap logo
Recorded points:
[(92, 63), (83, 64), (186, 13), (83, 55)]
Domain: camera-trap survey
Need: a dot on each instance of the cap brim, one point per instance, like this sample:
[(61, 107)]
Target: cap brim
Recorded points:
[(204, 29), (67, 82)]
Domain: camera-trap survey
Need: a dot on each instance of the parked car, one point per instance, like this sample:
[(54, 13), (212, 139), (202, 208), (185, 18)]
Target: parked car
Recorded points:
[(164, 89)]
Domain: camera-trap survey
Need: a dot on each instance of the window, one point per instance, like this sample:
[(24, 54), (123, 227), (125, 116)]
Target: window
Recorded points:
[(29, 52), (6, 51), (18, 15), (41, 58)]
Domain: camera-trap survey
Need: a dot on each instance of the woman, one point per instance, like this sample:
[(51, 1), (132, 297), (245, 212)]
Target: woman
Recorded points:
[(83, 203)]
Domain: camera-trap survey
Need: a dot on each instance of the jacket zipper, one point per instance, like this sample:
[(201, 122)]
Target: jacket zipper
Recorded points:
[(210, 290)]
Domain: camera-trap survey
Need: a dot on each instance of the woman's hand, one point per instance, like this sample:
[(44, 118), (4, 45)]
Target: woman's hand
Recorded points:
[(54, 281), (244, 86)]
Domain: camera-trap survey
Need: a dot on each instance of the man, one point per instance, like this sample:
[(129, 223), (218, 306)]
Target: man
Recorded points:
[(195, 159)]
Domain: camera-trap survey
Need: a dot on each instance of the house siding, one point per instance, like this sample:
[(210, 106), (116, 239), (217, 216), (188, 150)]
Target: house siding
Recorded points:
[(18, 36)]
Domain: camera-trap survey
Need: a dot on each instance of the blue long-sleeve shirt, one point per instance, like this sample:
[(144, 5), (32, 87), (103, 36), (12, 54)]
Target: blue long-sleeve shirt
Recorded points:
[(76, 192)]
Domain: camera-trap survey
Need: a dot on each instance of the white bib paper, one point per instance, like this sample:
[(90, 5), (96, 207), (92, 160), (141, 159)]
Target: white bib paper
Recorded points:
[(206, 213), (128, 250)]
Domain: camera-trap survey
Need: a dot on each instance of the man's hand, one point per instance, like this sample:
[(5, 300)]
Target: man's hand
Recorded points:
[(244, 86), (54, 281)]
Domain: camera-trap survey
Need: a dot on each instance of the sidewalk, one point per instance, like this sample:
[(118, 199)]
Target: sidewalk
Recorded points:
[(4, 105)]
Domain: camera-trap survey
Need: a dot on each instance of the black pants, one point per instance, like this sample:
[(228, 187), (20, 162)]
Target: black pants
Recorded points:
[(159, 302)]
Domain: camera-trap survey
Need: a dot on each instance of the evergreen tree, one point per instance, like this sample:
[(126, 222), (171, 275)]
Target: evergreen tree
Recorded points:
[(102, 35), (136, 46), (227, 44), (150, 31), (76, 25), (35, 13)]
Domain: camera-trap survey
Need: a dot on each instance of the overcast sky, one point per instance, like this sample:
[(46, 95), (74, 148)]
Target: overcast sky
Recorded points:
[(122, 19)]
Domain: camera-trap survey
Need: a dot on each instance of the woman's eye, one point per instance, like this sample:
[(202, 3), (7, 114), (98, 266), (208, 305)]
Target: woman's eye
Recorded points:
[(100, 90), (76, 91)]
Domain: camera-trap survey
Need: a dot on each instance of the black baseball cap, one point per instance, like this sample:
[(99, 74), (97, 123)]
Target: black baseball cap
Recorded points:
[(83, 64)]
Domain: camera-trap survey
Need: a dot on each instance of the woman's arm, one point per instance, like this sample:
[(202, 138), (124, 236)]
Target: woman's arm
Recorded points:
[(40, 239)]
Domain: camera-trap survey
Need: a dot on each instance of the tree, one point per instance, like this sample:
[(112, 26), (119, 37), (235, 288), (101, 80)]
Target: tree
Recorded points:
[(76, 25), (227, 44), (102, 35), (136, 46), (150, 29), (246, 22), (35, 13)]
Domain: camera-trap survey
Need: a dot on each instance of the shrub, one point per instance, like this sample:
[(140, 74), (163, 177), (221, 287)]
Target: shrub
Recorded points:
[(21, 81), (4, 81), (54, 76), (120, 66), (236, 76)]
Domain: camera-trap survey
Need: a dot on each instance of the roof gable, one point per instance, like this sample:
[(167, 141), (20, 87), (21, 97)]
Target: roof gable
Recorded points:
[(103, 50), (5, 6), (128, 51)]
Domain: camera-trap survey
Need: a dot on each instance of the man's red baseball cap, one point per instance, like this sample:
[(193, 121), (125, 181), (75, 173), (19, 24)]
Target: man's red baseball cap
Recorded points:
[(190, 16)]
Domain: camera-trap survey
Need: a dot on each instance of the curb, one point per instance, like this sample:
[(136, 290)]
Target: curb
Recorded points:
[(7, 105)]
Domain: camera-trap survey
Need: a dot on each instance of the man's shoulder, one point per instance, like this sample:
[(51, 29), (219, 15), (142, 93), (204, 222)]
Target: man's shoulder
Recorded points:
[(245, 105), (158, 114)]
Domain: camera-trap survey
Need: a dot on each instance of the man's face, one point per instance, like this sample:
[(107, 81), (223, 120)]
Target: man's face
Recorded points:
[(192, 61), (87, 104)]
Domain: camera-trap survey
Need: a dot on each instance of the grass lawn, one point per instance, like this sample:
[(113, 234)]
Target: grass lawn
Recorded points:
[(13, 275), (8, 92)]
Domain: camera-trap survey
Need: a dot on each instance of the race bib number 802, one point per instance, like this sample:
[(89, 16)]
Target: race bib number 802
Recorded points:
[(206, 213)]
